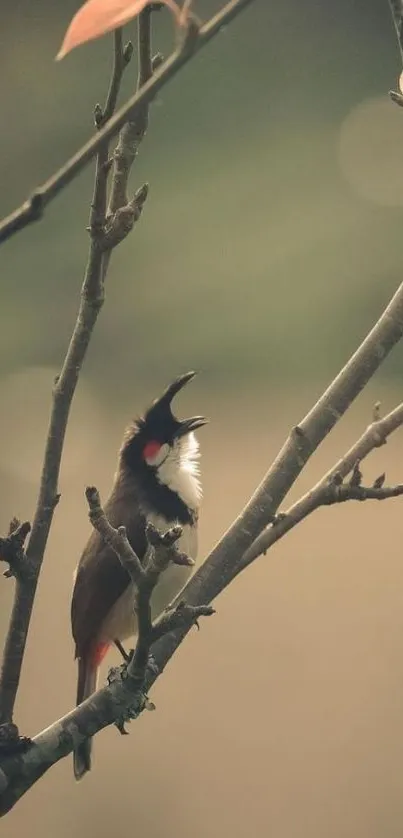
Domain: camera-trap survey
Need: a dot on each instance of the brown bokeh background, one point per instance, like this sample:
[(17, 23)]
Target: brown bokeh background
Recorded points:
[(270, 243)]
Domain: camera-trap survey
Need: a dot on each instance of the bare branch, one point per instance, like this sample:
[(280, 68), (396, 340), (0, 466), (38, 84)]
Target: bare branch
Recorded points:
[(375, 436), (98, 205), (33, 208), (92, 297)]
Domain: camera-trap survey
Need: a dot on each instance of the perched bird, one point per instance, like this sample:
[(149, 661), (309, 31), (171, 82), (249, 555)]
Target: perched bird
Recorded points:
[(157, 479)]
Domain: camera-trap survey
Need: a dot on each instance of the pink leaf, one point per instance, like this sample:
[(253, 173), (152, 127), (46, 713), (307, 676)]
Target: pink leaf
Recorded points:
[(96, 17)]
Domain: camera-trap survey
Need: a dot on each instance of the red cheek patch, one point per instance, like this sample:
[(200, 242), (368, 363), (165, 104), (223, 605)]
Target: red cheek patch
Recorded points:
[(151, 449)]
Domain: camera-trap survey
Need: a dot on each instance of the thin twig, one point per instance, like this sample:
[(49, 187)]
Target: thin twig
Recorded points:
[(162, 551), (121, 58), (176, 618), (340, 494), (98, 206), (33, 208), (133, 131), (116, 539)]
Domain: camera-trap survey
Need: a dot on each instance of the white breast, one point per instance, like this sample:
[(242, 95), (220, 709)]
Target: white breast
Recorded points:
[(179, 470)]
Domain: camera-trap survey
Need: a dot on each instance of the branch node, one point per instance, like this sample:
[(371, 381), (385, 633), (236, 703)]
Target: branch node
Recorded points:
[(180, 616), (140, 699), (356, 477), (116, 673), (107, 166), (140, 197), (191, 35), (376, 412), (156, 61), (98, 116), (121, 222), (378, 483), (134, 710), (12, 548), (152, 666), (379, 437), (128, 52), (167, 539), (36, 206)]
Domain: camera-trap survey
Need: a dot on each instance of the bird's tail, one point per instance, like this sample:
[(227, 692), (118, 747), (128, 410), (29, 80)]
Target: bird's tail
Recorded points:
[(86, 685)]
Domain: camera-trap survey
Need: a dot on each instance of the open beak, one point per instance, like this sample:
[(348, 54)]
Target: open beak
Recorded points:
[(188, 425), (176, 386)]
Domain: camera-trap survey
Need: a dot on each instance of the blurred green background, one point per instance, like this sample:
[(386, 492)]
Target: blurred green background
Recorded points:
[(270, 243)]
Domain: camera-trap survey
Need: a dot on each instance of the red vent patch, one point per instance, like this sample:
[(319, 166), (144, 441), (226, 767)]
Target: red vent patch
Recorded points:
[(100, 653)]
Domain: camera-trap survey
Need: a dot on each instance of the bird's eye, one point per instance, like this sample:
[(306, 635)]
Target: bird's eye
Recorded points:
[(151, 449)]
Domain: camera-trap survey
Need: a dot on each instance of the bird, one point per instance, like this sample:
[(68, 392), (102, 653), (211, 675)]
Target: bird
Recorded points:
[(158, 480)]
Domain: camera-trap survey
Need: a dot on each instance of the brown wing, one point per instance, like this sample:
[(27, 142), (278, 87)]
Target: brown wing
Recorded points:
[(100, 578)]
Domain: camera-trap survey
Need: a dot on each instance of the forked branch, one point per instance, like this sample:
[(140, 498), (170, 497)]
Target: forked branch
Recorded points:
[(35, 205), (375, 436)]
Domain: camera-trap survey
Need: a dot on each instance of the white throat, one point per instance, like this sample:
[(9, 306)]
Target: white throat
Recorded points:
[(180, 470)]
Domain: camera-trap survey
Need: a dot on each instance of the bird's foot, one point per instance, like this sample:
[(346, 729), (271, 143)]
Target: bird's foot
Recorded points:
[(125, 655), (10, 740)]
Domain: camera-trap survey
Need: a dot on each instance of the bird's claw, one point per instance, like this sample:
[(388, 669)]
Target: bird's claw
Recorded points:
[(10, 740)]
